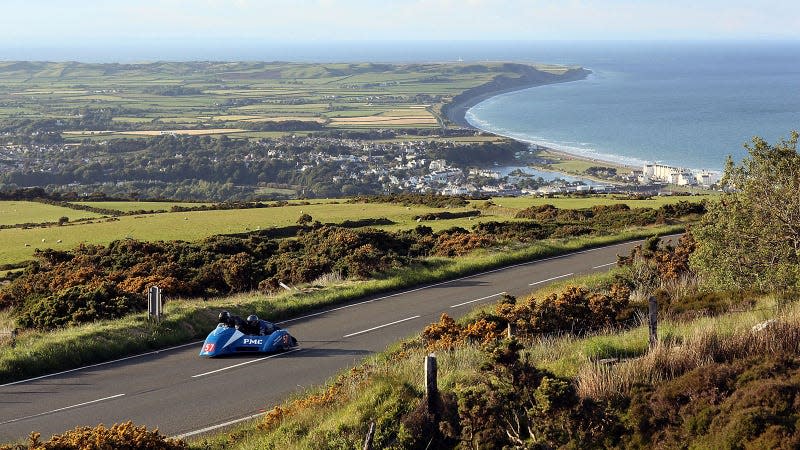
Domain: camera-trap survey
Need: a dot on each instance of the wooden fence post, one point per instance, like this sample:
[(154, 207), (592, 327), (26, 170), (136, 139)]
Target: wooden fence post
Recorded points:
[(653, 322), (431, 385), (370, 435)]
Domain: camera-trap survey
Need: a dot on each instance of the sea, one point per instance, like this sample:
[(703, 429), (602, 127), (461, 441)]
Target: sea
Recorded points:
[(682, 103)]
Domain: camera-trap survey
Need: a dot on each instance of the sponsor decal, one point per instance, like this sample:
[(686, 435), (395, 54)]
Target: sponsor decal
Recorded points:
[(208, 348), (253, 341)]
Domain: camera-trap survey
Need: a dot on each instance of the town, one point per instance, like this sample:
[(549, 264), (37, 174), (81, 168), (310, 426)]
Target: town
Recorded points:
[(314, 166)]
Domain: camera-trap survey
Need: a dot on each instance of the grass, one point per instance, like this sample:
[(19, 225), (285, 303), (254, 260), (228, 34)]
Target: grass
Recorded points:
[(195, 225), (14, 212), (564, 162), (391, 382), (236, 92), (566, 202), (128, 206), (191, 319), (687, 346)]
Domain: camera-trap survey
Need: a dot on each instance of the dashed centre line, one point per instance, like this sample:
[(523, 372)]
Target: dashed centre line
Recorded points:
[(604, 265), (478, 299), (551, 279), (61, 409), (380, 326)]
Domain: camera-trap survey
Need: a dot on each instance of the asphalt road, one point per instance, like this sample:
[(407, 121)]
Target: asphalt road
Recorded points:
[(182, 394)]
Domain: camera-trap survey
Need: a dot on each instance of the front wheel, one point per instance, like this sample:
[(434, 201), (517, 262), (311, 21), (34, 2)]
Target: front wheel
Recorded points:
[(288, 342)]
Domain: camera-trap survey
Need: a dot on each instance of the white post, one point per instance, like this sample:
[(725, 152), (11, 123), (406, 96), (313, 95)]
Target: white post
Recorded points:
[(154, 302)]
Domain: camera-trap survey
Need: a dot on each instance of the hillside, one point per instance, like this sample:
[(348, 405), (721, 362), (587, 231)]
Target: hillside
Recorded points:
[(573, 365)]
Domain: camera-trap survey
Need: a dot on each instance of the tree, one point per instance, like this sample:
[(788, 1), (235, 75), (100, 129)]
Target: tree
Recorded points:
[(750, 239)]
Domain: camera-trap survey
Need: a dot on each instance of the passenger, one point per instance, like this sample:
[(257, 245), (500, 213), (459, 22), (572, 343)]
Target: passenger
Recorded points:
[(253, 325)]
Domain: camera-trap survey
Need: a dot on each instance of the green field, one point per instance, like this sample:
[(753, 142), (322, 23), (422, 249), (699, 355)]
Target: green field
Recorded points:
[(587, 202), (17, 244), (172, 96), (21, 212), (139, 206)]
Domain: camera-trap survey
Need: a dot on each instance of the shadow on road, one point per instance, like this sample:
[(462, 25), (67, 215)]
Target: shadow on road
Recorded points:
[(324, 352), (460, 283)]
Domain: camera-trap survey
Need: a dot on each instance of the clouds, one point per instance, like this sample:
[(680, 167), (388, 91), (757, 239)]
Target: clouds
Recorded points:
[(314, 20)]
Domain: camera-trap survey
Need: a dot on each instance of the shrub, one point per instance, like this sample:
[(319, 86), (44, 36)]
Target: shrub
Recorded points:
[(124, 436), (574, 310)]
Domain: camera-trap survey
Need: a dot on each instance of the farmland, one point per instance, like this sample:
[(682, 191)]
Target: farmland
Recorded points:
[(231, 97), (20, 212)]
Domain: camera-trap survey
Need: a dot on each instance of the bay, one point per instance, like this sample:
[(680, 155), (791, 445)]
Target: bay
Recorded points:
[(688, 104)]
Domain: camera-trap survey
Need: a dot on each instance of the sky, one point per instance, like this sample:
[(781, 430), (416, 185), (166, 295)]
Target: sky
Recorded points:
[(32, 23)]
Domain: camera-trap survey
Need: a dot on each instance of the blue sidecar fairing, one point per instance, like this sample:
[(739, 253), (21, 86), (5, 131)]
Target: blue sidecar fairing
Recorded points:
[(226, 340)]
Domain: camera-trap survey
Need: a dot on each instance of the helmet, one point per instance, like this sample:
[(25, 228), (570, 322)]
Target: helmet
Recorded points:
[(252, 319), (224, 316)]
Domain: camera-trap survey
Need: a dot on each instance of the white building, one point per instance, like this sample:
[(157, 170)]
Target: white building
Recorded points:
[(706, 178), (667, 174), (438, 165)]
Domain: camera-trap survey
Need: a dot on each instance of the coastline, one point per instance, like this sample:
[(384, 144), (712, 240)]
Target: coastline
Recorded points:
[(456, 111)]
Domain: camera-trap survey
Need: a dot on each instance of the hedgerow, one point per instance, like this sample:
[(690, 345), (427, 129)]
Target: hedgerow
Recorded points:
[(92, 282)]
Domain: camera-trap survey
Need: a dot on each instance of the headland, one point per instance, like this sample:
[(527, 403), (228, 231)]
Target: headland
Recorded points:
[(529, 77), (551, 159)]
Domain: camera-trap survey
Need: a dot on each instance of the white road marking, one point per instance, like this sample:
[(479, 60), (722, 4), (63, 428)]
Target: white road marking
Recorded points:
[(244, 363), (102, 363), (214, 427), (380, 326), (526, 263), (604, 265), (466, 277), (478, 299), (551, 279), (61, 409)]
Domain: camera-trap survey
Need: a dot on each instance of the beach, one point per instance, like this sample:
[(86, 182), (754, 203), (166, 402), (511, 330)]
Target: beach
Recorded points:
[(456, 113), (456, 110)]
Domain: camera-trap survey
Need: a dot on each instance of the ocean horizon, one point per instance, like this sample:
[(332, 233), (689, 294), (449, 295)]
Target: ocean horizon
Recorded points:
[(683, 103), (686, 105)]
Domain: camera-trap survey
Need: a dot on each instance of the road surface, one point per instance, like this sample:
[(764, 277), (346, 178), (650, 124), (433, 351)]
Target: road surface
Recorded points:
[(182, 394)]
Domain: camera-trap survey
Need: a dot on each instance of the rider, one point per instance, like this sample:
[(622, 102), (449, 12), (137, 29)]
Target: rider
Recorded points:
[(259, 326)]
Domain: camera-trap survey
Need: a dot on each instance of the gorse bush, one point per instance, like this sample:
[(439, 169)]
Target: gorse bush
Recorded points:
[(124, 436), (92, 282), (407, 199), (512, 404), (574, 310), (614, 216)]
